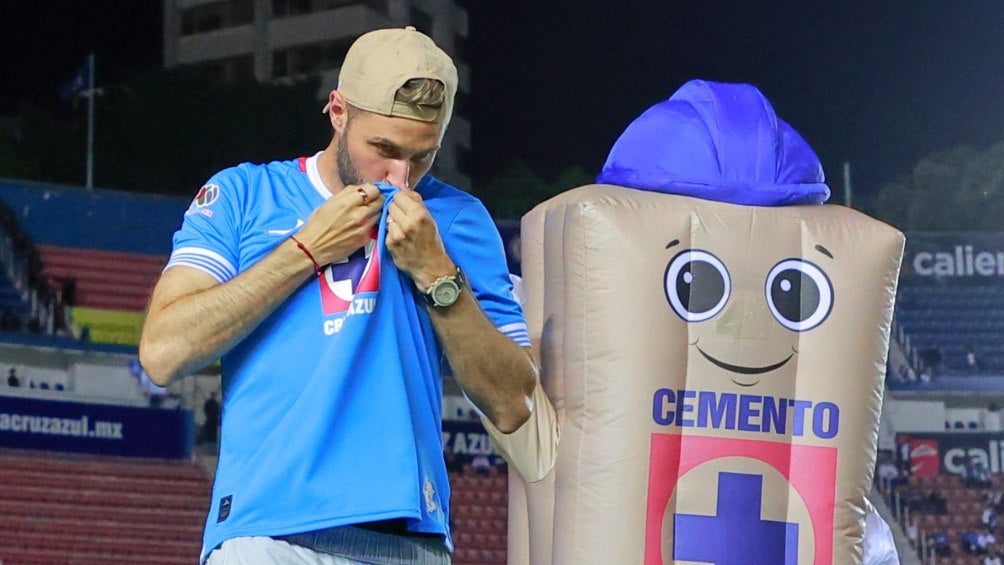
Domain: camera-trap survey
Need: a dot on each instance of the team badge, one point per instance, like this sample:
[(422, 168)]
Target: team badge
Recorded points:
[(773, 502), (343, 281)]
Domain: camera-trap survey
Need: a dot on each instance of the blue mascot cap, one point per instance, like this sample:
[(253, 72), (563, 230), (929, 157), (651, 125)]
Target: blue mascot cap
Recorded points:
[(717, 141)]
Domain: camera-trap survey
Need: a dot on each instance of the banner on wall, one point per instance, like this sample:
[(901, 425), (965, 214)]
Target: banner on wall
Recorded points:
[(27, 423), (953, 257), (931, 454), (110, 326), (463, 441)]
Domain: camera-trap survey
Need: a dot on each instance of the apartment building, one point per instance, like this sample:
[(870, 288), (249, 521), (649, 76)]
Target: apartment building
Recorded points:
[(283, 40)]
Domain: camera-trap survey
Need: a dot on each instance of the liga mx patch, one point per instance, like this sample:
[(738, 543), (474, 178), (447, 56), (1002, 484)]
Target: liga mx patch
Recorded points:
[(768, 503), (359, 273)]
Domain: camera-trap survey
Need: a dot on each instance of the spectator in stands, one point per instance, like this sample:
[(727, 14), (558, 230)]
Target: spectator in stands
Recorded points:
[(480, 465), (992, 418), (992, 497), (926, 374), (211, 411), (937, 503), (915, 500), (906, 374), (930, 358), (970, 542), (988, 519), (992, 558), (985, 541), (911, 533), (972, 362), (68, 292), (903, 452), (890, 476), (976, 474), (12, 380), (332, 372), (942, 547)]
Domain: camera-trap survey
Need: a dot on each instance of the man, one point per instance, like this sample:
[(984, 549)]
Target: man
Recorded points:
[(211, 410), (332, 330)]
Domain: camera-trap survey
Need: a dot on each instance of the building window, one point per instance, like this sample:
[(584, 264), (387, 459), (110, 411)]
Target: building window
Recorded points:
[(284, 8), (232, 69), (216, 15), (309, 59)]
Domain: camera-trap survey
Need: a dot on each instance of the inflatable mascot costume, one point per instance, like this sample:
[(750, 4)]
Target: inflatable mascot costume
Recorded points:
[(714, 342)]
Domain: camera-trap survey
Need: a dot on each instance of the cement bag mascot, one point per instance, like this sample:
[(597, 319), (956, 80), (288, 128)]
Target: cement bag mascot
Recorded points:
[(713, 343)]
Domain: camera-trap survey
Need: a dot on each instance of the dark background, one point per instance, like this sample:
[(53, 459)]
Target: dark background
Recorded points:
[(878, 84)]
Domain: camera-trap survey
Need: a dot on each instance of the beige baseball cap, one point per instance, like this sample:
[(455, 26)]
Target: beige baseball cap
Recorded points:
[(381, 61)]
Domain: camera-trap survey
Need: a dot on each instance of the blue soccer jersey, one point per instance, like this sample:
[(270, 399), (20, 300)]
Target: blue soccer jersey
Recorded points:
[(332, 406)]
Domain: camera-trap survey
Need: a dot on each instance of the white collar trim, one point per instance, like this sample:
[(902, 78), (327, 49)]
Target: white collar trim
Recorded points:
[(315, 176)]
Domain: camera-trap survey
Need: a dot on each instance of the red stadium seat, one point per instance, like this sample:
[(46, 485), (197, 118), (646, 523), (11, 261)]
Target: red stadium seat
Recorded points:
[(60, 508)]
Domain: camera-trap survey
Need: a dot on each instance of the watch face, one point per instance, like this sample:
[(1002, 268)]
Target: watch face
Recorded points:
[(445, 293)]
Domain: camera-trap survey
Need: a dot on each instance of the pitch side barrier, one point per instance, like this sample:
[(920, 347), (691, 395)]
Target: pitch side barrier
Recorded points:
[(27, 423)]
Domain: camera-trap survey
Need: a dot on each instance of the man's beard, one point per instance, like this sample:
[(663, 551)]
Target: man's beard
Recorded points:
[(347, 172)]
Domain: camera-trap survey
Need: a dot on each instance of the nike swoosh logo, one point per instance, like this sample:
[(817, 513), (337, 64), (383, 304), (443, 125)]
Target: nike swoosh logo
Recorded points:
[(299, 223)]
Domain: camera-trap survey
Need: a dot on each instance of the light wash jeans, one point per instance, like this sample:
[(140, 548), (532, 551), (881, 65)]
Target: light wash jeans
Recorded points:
[(334, 546)]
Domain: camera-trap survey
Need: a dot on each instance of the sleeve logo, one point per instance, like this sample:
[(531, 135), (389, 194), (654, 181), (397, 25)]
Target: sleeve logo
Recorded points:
[(205, 198)]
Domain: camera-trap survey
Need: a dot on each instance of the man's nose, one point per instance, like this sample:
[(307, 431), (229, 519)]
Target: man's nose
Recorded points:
[(398, 172)]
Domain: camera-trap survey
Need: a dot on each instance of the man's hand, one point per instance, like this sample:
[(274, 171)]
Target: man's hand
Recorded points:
[(413, 240), (343, 223)]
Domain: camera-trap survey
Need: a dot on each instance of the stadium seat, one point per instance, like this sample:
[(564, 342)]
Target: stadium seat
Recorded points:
[(60, 508)]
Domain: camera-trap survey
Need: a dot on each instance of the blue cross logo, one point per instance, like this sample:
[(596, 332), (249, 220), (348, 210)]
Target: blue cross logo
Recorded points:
[(737, 535)]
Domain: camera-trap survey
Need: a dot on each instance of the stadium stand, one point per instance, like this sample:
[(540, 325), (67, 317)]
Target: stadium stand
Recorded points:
[(480, 513), (111, 280), (964, 507), (952, 318), (62, 508)]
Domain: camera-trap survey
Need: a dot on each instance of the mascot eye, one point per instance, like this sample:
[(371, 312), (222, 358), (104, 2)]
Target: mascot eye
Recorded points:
[(799, 294), (697, 285)]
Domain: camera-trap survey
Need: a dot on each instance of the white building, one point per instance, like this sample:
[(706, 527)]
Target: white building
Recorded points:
[(282, 40)]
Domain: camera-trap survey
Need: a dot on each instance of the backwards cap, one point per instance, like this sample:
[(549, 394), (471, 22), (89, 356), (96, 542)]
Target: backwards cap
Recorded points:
[(382, 61)]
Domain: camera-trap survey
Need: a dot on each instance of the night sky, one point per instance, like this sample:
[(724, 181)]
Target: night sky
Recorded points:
[(878, 84)]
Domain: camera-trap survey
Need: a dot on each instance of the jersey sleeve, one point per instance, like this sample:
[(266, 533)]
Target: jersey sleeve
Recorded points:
[(475, 246), (209, 235)]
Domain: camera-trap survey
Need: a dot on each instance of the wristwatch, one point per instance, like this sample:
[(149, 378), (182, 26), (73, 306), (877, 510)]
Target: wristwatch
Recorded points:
[(444, 291)]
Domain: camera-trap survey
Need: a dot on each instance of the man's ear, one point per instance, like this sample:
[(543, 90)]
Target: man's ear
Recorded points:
[(338, 110)]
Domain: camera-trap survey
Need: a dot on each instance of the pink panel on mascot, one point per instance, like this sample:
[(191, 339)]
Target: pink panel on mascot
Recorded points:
[(713, 339)]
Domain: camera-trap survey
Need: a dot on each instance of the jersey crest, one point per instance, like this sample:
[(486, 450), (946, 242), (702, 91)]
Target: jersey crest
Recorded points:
[(343, 280)]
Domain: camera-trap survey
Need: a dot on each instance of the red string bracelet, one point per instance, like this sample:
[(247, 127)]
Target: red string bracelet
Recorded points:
[(317, 268)]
